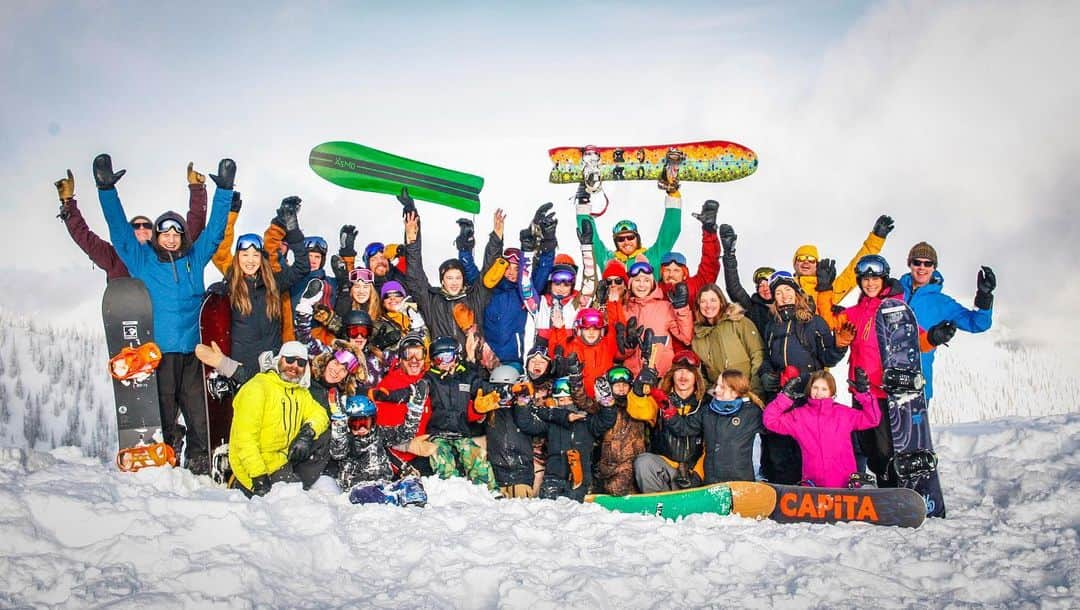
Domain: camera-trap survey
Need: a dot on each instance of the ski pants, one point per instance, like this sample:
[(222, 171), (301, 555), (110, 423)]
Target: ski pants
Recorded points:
[(876, 444), (652, 474), (180, 391), (461, 457), (781, 459)]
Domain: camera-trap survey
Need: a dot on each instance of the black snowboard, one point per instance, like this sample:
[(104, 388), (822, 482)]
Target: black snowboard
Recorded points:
[(215, 324), (129, 321), (887, 506), (913, 464)]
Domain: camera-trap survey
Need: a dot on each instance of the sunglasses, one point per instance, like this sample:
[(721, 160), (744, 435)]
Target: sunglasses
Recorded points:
[(170, 224), (347, 359), (805, 258), (360, 274), (358, 423), (614, 281), (249, 240), (315, 244), (357, 331), (621, 238), (142, 224), (919, 262), (297, 360)]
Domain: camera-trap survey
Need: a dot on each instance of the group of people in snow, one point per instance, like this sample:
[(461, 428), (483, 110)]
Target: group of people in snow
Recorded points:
[(637, 374)]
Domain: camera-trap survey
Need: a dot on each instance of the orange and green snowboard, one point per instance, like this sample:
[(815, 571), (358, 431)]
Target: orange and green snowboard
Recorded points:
[(710, 161)]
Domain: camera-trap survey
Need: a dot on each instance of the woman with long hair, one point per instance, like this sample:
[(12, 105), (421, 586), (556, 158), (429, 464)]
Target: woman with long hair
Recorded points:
[(725, 338)]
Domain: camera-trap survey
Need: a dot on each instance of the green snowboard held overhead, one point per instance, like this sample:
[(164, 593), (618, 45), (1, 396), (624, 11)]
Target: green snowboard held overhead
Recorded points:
[(362, 168), (714, 499)]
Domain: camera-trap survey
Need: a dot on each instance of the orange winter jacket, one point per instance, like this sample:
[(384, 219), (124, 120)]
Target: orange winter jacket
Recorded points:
[(845, 281)]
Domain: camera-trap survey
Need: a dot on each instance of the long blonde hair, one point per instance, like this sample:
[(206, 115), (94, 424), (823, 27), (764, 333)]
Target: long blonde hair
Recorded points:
[(374, 302), (740, 384), (239, 297)]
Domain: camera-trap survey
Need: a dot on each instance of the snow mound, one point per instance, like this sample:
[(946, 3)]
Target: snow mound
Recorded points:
[(76, 533)]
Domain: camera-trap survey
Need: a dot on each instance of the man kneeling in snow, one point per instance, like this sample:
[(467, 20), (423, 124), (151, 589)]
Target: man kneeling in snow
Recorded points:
[(275, 425)]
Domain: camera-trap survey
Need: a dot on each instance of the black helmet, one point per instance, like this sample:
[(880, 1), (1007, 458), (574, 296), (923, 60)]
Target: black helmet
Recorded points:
[(358, 317)]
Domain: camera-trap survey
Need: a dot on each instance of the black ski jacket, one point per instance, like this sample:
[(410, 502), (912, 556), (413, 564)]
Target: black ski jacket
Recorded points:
[(563, 435), (728, 440)]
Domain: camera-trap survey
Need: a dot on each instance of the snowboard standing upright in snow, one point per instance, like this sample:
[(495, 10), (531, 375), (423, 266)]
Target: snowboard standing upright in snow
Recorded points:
[(129, 322), (215, 325), (913, 464)]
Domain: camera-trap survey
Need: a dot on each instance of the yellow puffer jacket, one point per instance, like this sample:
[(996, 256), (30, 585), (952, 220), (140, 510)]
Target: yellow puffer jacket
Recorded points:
[(845, 280), (267, 415)]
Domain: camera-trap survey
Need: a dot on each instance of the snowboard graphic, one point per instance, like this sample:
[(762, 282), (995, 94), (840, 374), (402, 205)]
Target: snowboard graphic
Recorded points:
[(913, 464), (129, 323), (361, 168), (743, 498), (710, 161), (215, 324), (887, 506)]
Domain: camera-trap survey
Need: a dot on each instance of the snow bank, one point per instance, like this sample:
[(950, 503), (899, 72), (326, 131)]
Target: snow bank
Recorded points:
[(75, 533)]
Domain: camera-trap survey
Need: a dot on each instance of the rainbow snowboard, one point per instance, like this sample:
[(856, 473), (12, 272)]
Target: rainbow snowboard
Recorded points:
[(361, 168), (710, 161)]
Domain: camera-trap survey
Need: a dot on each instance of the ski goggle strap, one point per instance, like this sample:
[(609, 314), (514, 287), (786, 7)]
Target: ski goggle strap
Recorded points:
[(347, 359), (315, 244), (361, 274), (248, 241), (638, 268), (872, 266), (562, 276), (624, 226), (619, 374), (170, 224)]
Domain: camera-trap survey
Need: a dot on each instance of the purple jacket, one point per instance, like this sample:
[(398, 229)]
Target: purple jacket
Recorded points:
[(104, 255), (823, 430)]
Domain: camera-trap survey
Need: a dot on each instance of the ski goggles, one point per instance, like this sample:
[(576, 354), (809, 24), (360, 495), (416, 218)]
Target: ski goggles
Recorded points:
[(142, 224), (562, 277), (619, 374), (871, 266), (297, 360), (444, 357), (170, 224), (624, 226), (347, 359), (673, 257), (762, 274), (686, 358), (781, 276), (362, 274), (248, 241), (805, 258), (920, 262), (360, 422), (357, 331), (315, 244), (372, 249), (512, 255), (589, 318), (638, 268), (413, 358), (560, 388)]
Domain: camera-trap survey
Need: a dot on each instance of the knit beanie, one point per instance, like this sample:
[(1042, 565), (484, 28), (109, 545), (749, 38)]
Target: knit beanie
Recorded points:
[(923, 250)]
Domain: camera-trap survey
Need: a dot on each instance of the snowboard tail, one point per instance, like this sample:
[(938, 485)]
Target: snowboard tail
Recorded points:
[(743, 498), (888, 506), (215, 325), (362, 168)]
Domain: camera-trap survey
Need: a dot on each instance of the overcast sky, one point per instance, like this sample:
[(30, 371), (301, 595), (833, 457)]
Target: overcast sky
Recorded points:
[(960, 119)]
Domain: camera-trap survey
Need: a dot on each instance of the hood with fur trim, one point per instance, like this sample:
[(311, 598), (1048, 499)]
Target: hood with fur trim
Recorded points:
[(350, 385)]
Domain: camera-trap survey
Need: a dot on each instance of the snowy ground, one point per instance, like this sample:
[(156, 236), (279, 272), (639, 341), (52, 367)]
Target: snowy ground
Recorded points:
[(76, 533)]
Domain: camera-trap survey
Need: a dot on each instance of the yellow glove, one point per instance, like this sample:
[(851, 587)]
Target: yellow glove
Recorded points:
[(391, 251), (485, 403), (194, 177), (65, 187), (496, 273)]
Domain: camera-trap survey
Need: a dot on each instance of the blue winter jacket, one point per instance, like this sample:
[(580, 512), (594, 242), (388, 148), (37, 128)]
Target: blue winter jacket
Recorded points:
[(932, 306), (175, 281), (505, 315)]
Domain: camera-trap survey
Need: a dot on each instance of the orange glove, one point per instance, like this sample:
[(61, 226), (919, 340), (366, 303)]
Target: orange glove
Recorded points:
[(464, 317), (845, 334)]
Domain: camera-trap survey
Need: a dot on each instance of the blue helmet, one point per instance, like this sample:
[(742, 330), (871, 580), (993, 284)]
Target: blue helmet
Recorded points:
[(359, 406)]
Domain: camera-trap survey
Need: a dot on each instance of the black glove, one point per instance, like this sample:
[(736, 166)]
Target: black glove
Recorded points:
[(103, 173), (727, 238), (585, 232), (826, 274), (770, 382), (302, 445), (407, 203), (528, 240), (543, 214), (348, 240), (573, 366), (707, 216), (861, 383), (237, 203), (260, 485), (226, 174), (558, 362), (582, 196), (647, 346), (466, 239), (601, 293), (341, 274), (793, 388), (286, 213), (883, 226), (628, 336), (941, 332), (985, 285), (547, 223), (647, 377), (680, 295)]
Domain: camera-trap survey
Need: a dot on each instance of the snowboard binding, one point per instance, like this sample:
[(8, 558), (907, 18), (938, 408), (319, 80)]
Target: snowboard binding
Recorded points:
[(133, 459), (902, 380), (135, 364), (591, 178), (220, 387), (669, 177), (913, 465), (220, 469), (858, 480)]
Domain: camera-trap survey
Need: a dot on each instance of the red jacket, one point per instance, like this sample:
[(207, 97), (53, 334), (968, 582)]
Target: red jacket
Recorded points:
[(392, 412), (708, 268), (102, 252)]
